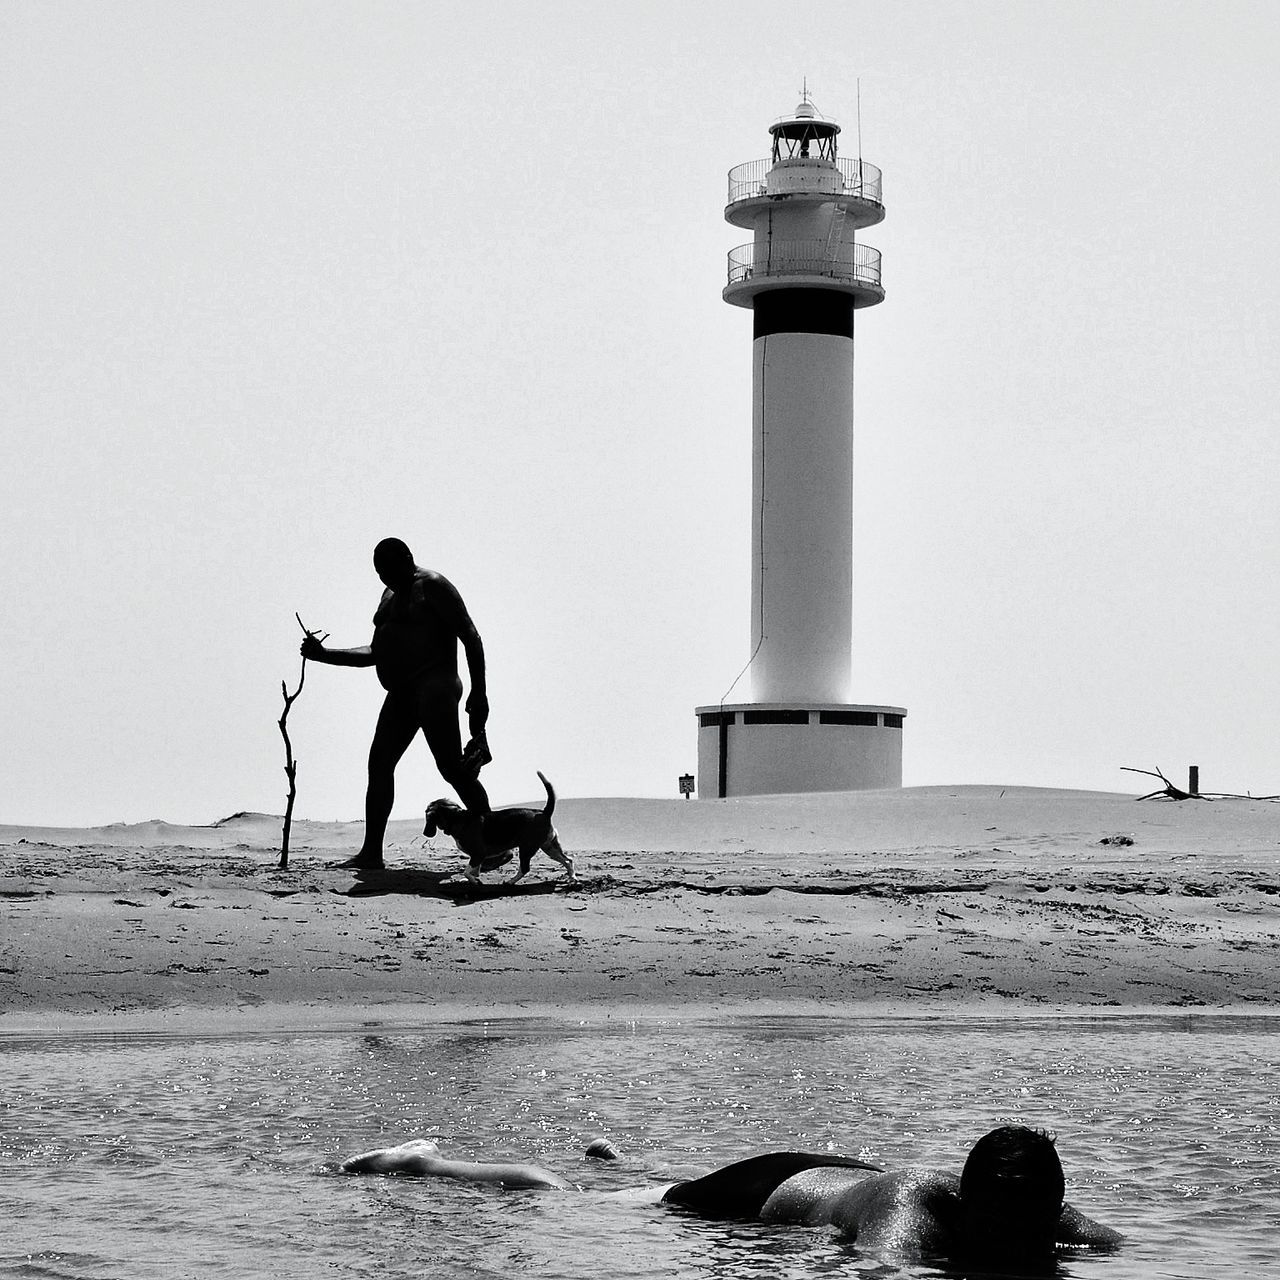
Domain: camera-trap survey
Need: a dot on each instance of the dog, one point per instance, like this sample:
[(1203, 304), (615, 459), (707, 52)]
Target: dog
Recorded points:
[(488, 842)]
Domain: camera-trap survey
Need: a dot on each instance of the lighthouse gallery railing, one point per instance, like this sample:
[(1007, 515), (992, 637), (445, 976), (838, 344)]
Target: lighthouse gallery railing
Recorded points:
[(751, 180), (852, 263)]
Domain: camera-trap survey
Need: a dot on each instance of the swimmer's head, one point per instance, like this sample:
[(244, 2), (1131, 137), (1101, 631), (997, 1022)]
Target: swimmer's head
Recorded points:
[(1011, 1193), (393, 562)]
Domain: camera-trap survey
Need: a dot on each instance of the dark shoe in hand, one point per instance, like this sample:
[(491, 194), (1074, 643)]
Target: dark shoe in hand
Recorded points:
[(476, 755)]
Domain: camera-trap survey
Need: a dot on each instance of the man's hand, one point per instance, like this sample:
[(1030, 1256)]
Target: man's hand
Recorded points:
[(313, 647), (477, 709), (312, 643), (476, 755)]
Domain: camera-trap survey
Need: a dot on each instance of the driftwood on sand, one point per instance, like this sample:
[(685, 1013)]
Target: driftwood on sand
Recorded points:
[(1171, 792)]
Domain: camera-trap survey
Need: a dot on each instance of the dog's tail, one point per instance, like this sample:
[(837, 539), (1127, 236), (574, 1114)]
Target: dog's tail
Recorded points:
[(551, 795)]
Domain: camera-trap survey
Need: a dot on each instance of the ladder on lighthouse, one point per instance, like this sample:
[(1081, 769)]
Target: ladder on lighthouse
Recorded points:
[(835, 238)]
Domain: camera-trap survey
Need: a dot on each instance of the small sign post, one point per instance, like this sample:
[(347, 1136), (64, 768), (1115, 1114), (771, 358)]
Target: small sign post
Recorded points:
[(686, 785)]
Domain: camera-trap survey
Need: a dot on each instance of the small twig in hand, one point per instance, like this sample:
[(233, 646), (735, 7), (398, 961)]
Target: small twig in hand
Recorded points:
[(306, 631)]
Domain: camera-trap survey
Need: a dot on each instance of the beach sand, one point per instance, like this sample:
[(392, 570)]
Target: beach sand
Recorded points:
[(933, 900)]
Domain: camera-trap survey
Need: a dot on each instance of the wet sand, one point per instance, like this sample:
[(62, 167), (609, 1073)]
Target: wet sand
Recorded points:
[(938, 900)]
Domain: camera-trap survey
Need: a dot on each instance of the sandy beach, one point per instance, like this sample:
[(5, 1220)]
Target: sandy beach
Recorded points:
[(924, 900)]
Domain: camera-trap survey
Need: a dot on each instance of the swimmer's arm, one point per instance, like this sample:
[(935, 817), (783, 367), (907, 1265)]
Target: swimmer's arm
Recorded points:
[(652, 1194), (1081, 1232), (506, 1175)]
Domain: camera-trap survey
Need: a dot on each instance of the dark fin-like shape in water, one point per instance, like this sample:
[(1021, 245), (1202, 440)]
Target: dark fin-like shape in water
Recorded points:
[(739, 1190)]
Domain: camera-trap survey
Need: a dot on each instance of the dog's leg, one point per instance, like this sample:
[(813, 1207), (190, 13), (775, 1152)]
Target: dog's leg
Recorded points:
[(552, 848), (526, 856)]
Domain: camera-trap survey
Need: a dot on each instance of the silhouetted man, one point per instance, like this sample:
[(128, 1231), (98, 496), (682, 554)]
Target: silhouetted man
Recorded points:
[(416, 631)]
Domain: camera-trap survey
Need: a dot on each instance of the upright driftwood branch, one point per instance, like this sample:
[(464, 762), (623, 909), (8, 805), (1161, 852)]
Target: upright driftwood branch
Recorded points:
[(290, 764)]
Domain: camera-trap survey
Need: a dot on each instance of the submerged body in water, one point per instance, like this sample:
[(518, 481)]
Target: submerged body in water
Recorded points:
[(1006, 1206)]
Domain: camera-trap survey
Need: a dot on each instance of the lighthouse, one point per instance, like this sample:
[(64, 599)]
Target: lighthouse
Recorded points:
[(804, 275)]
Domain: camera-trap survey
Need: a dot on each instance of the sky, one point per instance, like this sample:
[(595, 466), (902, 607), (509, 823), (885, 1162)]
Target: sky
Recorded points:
[(282, 279)]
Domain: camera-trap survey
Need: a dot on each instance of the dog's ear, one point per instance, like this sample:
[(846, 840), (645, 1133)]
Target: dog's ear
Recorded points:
[(429, 829)]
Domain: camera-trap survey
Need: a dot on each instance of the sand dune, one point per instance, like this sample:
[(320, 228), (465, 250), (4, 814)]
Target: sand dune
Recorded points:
[(983, 898)]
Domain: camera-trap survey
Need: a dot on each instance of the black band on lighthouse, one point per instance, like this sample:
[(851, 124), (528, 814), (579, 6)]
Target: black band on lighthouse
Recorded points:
[(803, 311)]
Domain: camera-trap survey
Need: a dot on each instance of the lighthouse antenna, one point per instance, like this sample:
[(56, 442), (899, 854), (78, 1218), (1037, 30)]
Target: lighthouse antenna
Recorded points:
[(858, 100)]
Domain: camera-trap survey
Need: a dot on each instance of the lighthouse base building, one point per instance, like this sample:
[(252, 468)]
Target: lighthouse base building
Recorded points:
[(760, 748), (804, 275)]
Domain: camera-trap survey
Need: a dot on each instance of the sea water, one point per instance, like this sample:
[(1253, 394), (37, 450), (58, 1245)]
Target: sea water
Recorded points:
[(205, 1156)]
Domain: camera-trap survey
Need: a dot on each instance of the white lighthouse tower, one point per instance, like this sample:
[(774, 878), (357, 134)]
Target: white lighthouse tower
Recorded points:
[(803, 275)]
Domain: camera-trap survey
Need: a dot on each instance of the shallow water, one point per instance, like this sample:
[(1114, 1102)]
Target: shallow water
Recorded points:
[(160, 1156)]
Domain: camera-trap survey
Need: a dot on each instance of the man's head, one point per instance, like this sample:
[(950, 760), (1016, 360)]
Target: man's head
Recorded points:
[(1011, 1193), (393, 562)]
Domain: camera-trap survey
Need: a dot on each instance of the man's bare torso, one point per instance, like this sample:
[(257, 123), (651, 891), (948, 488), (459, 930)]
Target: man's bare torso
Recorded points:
[(415, 633)]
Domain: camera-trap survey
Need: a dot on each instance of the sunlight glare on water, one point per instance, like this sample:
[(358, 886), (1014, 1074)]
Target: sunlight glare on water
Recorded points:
[(162, 1156)]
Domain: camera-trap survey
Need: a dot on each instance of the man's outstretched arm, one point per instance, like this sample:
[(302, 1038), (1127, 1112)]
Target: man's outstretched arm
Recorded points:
[(314, 651)]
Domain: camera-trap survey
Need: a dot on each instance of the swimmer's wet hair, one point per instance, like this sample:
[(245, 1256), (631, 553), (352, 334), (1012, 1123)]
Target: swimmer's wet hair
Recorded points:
[(1016, 1163)]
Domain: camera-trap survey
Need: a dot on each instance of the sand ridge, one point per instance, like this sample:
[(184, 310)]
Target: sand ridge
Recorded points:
[(917, 900)]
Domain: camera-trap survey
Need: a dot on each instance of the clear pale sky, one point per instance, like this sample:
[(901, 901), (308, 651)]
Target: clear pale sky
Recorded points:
[(282, 279)]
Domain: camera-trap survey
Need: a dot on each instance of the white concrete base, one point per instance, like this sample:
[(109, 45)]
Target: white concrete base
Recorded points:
[(768, 748)]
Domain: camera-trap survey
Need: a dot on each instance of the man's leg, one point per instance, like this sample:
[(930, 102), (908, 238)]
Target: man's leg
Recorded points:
[(397, 724), (438, 711), (470, 790)]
